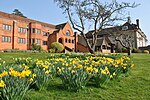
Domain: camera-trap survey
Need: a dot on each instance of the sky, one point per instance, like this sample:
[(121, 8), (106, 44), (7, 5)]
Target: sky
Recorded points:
[(47, 11)]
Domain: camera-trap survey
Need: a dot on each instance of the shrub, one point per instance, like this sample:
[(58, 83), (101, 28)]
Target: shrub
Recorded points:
[(134, 50), (35, 46), (146, 51), (57, 47), (52, 50)]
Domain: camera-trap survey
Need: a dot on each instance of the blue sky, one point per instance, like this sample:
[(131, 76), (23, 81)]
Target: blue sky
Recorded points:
[(47, 11)]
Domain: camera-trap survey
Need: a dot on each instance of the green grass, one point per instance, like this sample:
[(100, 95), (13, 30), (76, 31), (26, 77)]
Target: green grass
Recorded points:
[(8, 57), (135, 85)]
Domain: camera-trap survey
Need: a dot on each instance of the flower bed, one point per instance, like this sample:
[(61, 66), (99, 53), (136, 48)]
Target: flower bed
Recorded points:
[(75, 71)]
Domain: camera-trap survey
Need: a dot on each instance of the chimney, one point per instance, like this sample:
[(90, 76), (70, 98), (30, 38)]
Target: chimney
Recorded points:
[(129, 19), (137, 23)]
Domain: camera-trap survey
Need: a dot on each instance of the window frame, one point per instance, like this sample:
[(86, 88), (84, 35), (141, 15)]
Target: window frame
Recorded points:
[(6, 39)]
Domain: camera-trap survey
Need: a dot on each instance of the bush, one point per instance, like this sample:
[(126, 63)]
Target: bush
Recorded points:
[(120, 50), (146, 51), (35, 46), (134, 50), (56, 47)]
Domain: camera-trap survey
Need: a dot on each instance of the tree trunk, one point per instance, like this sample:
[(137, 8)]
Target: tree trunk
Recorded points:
[(129, 51), (91, 50)]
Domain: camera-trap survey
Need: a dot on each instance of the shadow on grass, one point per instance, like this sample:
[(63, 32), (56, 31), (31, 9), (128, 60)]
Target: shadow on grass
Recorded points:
[(92, 84), (55, 85)]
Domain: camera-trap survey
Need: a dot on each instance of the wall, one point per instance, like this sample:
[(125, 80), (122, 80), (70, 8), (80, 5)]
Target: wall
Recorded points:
[(5, 45)]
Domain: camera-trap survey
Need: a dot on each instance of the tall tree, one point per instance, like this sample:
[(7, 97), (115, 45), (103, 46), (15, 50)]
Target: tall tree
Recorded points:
[(19, 13), (93, 13)]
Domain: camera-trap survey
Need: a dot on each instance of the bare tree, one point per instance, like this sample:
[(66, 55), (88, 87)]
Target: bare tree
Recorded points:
[(125, 38), (93, 13)]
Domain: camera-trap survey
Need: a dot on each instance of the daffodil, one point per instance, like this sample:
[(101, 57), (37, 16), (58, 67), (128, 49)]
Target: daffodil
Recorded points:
[(2, 83), (111, 76), (4, 73)]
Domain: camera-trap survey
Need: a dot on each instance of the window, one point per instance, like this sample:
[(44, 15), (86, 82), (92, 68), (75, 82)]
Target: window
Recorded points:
[(21, 30), (21, 40), (6, 27), (45, 33), (24, 30), (3, 27), (38, 31), (44, 42), (69, 41), (68, 33), (6, 39), (66, 40), (32, 40), (38, 41), (72, 41), (33, 30), (3, 39), (125, 28)]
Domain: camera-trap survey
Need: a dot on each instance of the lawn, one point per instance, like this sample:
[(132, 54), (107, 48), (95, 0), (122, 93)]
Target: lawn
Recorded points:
[(135, 85)]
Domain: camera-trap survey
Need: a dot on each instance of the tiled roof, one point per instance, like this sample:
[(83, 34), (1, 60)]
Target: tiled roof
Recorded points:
[(110, 30), (61, 26)]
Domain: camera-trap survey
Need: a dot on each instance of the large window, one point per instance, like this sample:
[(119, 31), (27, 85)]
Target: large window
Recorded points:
[(21, 30), (21, 40), (6, 39), (6, 27)]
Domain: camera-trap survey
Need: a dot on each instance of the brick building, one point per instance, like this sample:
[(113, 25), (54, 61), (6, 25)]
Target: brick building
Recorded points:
[(19, 33)]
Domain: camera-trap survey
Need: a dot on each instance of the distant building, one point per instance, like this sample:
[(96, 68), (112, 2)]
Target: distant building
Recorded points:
[(106, 41), (20, 33)]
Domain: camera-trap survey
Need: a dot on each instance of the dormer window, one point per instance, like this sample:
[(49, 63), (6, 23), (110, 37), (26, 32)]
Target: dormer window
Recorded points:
[(68, 33), (125, 28)]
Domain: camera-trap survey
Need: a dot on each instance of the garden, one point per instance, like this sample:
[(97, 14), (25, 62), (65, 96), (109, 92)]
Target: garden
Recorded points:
[(45, 76)]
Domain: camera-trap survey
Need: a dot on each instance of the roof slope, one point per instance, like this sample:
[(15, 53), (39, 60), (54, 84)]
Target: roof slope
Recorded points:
[(109, 30), (61, 26)]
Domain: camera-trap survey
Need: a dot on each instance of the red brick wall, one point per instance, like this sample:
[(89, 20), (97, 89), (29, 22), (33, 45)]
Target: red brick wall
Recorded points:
[(17, 35), (5, 45)]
